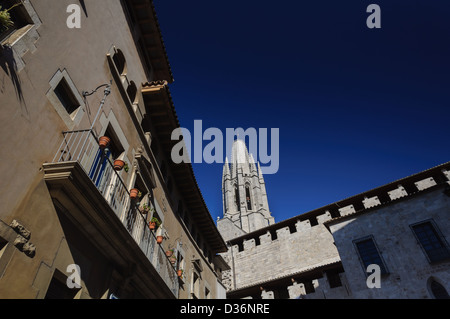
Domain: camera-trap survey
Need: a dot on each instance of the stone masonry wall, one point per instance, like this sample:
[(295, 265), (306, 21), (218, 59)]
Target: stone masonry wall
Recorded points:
[(305, 243), (306, 247), (408, 267)]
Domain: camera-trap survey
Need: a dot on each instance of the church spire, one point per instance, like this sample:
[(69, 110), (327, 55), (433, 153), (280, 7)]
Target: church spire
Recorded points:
[(240, 158), (244, 193)]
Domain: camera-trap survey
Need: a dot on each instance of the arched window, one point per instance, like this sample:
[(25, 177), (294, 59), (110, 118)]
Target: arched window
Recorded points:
[(248, 197), (132, 92), (120, 62), (236, 197), (437, 290)]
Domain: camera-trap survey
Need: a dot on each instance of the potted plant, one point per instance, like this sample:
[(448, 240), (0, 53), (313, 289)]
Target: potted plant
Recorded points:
[(135, 193), (159, 239), (119, 165), (180, 273), (169, 253), (145, 209), (154, 223), (5, 18), (173, 259), (103, 141)]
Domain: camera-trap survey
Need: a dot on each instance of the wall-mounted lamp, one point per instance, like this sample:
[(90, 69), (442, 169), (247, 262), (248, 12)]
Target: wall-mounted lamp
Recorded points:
[(107, 91)]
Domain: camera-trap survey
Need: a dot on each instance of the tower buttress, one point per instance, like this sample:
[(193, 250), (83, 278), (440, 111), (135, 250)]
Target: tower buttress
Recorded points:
[(227, 190)]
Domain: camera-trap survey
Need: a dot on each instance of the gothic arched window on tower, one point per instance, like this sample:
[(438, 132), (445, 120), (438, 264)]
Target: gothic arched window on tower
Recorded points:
[(236, 197), (248, 198)]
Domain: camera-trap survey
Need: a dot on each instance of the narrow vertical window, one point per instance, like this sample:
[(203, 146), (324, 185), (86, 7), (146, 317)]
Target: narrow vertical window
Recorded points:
[(236, 197), (431, 241), (369, 254), (195, 289), (248, 198)]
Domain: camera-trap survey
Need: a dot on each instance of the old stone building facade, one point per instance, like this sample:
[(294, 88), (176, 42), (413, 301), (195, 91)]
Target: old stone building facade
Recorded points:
[(403, 227), (76, 213)]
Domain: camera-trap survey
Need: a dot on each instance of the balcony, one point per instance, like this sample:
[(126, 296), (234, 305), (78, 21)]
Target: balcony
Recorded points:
[(82, 179)]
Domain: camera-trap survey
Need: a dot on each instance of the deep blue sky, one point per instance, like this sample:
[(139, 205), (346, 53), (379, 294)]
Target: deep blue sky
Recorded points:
[(357, 108)]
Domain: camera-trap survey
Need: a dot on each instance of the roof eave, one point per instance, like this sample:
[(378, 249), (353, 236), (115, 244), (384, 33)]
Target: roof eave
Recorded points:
[(163, 115), (152, 40)]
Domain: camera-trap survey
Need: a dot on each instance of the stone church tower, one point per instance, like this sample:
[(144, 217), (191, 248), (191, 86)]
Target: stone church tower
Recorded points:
[(245, 205)]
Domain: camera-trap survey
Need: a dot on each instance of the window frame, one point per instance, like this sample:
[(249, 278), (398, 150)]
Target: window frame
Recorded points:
[(19, 15), (73, 119), (22, 39), (66, 96), (439, 236), (383, 267), (248, 197), (196, 286)]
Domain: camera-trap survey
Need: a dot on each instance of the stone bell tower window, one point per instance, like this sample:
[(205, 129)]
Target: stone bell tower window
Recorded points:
[(248, 198)]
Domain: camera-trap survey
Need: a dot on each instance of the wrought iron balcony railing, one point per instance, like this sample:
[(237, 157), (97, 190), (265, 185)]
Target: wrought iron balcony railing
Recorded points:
[(82, 146)]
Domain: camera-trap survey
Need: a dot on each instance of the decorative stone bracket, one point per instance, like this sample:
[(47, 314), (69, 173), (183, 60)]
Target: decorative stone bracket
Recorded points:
[(22, 241)]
